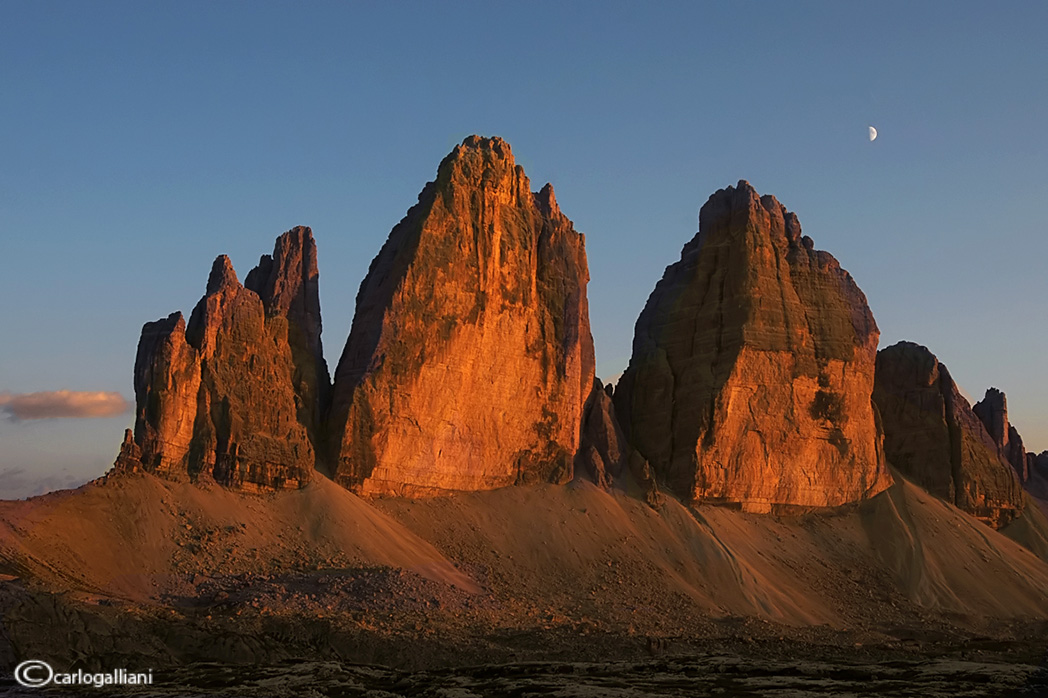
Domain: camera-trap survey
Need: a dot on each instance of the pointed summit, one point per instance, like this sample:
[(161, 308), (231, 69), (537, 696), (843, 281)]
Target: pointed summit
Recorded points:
[(992, 410), (234, 395), (470, 357), (288, 284), (547, 202), (222, 275)]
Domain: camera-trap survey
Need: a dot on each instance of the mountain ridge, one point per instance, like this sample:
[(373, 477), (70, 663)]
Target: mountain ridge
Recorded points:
[(760, 473)]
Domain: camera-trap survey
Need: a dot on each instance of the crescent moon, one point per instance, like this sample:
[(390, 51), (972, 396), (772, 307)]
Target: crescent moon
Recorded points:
[(873, 134)]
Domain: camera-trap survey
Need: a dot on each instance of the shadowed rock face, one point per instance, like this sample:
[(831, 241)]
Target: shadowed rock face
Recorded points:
[(470, 357), (752, 367), (1037, 465), (287, 283), (1040, 463), (604, 454), (935, 439), (235, 394), (993, 411)]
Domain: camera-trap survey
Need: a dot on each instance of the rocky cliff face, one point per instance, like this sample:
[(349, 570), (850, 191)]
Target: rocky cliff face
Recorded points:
[(993, 411), (604, 455), (935, 439), (288, 284), (752, 367), (1040, 463), (1037, 465), (167, 383), (235, 394), (470, 357)]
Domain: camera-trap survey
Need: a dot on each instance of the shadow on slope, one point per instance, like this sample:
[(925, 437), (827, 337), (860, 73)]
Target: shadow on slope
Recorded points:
[(140, 567), (945, 560), (1031, 529), (140, 538), (599, 554)]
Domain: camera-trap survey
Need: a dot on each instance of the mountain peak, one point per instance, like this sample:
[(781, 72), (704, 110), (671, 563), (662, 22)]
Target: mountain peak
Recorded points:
[(935, 439), (547, 202), (752, 367), (479, 290), (222, 275)]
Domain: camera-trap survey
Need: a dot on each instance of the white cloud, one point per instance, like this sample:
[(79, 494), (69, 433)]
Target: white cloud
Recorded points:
[(62, 403)]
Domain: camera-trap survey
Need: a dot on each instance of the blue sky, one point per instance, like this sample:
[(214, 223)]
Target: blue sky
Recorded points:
[(140, 140)]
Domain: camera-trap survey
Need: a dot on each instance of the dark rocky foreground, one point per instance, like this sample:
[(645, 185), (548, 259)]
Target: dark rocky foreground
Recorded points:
[(412, 650), (707, 601), (701, 675)]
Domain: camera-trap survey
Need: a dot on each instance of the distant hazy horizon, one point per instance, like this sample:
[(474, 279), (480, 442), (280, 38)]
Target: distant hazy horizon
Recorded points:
[(144, 140)]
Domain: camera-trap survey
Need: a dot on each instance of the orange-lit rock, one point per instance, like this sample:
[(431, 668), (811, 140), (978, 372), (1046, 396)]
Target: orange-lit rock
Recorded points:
[(935, 439), (470, 357), (752, 367), (235, 394), (167, 382)]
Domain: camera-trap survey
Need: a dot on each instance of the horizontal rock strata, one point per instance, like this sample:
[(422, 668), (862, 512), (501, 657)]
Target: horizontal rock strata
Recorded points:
[(752, 367)]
